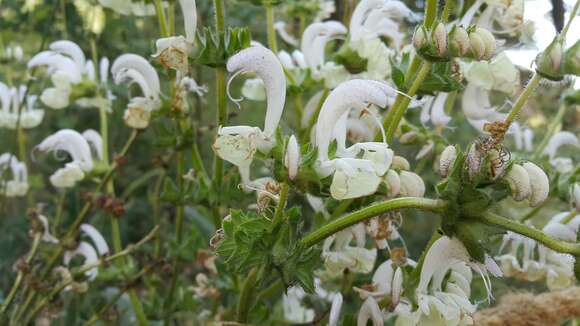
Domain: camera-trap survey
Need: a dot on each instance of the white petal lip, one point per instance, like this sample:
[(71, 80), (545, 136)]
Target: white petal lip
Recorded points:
[(96, 238), (560, 139), (370, 310), (443, 253), (265, 64), (539, 182), (94, 139), (189, 10), (314, 41), (131, 75), (141, 65), (438, 116), (335, 310), (354, 93), (292, 158), (88, 252), (70, 49), (73, 143), (56, 62)]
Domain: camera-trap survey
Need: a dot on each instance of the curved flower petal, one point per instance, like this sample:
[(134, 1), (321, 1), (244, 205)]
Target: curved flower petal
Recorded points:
[(96, 238), (88, 252), (370, 310), (71, 142), (70, 49)]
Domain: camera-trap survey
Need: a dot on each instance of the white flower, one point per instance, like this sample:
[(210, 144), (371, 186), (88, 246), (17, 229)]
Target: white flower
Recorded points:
[(353, 177), (254, 89), (378, 57), (386, 281), (317, 205), (13, 101), (18, 186), (86, 250), (477, 107), (77, 147), (370, 310), (294, 311), (292, 158), (448, 303), (500, 74), (173, 51), (46, 235), (314, 41), (524, 141), (95, 141), (434, 110), (134, 68), (334, 315), (332, 74), (338, 255), (280, 28), (575, 196), (562, 138), (238, 144), (375, 18)]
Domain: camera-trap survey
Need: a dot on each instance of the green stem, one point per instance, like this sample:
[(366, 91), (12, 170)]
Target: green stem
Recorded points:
[(220, 15), (222, 113), (20, 276), (270, 21), (447, 10), (431, 13), (368, 212), (535, 234), (519, 104), (246, 296), (161, 18), (171, 17), (179, 215), (59, 211), (279, 213), (399, 111), (533, 212)]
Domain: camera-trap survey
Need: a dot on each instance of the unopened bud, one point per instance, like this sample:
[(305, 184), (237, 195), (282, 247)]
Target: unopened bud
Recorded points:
[(420, 38), (292, 158), (411, 184), (519, 182), (539, 183), (488, 42), (477, 46), (459, 44), (447, 160), (550, 63), (400, 163), (440, 39), (408, 137)]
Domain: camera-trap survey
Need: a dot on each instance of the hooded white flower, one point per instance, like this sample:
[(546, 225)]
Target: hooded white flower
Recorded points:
[(434, 111), (77, 147), (339, 255), (370, 310), (506, 17), (238, 144), (477, 107), (445, 301), (376, 18), (280, 28), (129, 68), (46, 235), (335, 308), (562, 138), (18, 185), (387, 281), (353, 177), (67, 66), (173, 51), (524, 139), (294, 311), (314, 41), (13, 100), (499, 74), (89, 252)]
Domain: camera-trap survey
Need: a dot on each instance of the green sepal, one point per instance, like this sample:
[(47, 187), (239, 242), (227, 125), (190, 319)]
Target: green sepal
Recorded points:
[(215, 48)]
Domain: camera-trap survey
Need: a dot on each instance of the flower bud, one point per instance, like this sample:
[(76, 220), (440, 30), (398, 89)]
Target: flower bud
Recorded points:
[(572, 60), (519, 182), (539, 182), (575, 196), (447, 160), (420, 38), (400, 163), (477, 46), (459, 44), (550, 63), (292, 158), (488, 41), (408, 137), (393, 182), (411, 184), (440, 39)]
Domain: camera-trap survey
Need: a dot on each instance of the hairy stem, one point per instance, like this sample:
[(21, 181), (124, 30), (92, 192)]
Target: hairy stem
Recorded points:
[(279, 213), (368, 212), (247, 295), (272, 44), (541, 237), (519, 104)]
